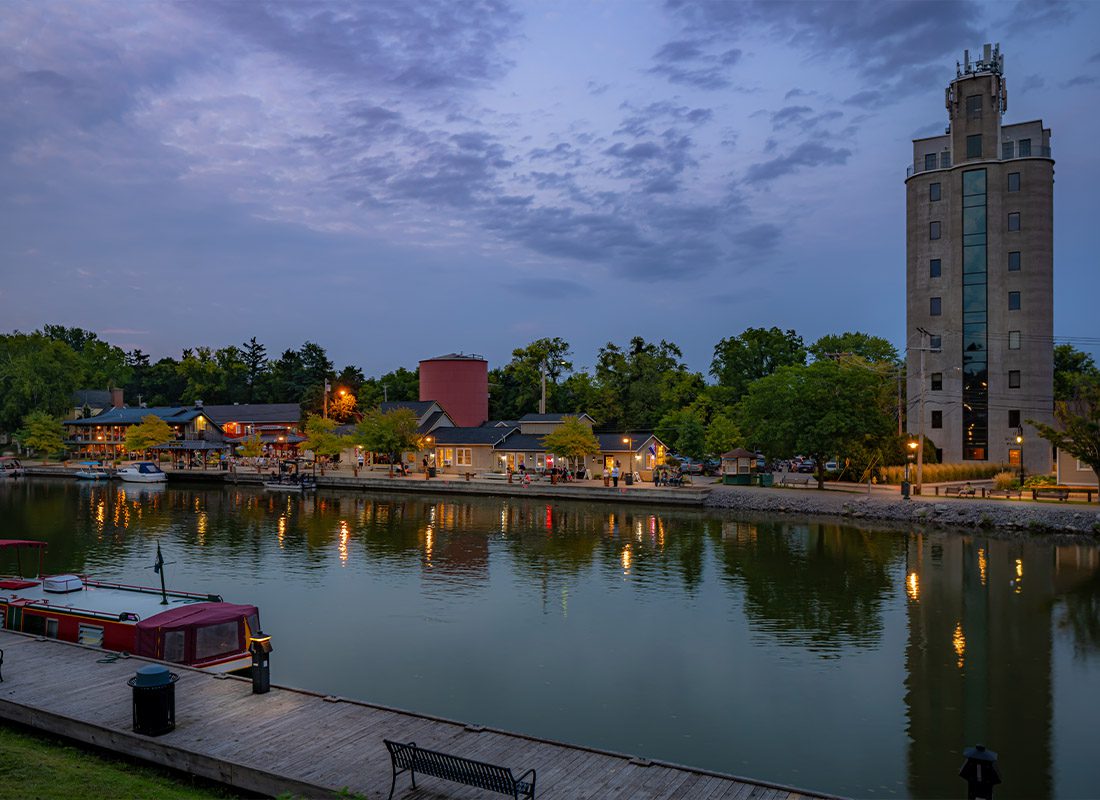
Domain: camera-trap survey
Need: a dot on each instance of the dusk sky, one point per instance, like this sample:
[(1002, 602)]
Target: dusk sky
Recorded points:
[(404, 179)]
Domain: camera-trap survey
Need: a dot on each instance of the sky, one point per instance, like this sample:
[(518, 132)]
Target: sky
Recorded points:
[(398, 180)]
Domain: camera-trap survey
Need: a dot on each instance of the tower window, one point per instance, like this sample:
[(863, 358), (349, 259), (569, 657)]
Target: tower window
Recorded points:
[(934, 191), (1025, 148), (934, 306), (1014, 221), (930, 161), (1014, 261), (937, 381), (1014, 181), (934, 230), (935, 342), (1013, 301), (1007, 149), (974, 146), (1014, 418), (974, 106), (937, 419), (1014, 379), (934, 268), (1013, 340)]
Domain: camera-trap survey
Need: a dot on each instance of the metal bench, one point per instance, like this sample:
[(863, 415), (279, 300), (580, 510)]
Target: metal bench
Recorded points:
[(961, 491), (1005, 493), (412, 759), (1060, 492)]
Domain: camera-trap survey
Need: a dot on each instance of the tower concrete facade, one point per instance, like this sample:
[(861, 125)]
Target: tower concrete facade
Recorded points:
[(979, 277)]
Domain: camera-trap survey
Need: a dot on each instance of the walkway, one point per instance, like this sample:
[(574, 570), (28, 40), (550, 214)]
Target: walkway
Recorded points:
[(296, 742)]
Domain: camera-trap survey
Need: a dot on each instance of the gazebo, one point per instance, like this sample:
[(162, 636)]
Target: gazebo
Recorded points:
[(738, 467)]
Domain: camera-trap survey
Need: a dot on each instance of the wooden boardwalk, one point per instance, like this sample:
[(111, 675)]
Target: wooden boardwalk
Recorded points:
[(298, 742)]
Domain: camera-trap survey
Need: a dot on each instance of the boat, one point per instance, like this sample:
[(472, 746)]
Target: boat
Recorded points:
[(92, 471), (10, 467), (196, 630), (142, 472), (291, 483)]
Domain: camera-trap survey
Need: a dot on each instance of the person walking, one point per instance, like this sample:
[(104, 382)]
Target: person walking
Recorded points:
[(615, 474)]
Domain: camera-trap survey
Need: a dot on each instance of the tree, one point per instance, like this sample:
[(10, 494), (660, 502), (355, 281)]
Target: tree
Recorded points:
[(253, 447), (571, 440), (630, 383), (42, 433), (201, 375), (820, 411), (37, 373), (874, 349), (518, 386), (1069, 364), (151, 431), (254, 356), (342, 406), (722, 435), (755, 354), (684, 432), (391, 432), (1079, 421), (101, 365), (321, 437)]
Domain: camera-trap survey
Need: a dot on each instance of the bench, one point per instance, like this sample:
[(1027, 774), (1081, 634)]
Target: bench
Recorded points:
[(1005, 493), (412, 759), (794, 479), (960, 491), (1061, 492)]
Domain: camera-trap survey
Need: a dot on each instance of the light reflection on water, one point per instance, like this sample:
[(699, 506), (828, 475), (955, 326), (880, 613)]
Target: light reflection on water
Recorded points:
[(845, 660)]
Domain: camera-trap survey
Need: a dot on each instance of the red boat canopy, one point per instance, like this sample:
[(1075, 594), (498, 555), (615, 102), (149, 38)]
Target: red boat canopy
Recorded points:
[(190, 621), (20, 543)]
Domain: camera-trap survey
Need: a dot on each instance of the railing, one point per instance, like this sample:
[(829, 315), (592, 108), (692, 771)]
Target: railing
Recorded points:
[(943, 161)]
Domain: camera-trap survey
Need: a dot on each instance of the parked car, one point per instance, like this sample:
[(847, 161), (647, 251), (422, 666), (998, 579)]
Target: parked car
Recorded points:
[(689, 466), (807, 466), (832, 466)]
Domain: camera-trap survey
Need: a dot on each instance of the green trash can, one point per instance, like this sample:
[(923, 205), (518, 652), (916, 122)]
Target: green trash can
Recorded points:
[(767, 479)]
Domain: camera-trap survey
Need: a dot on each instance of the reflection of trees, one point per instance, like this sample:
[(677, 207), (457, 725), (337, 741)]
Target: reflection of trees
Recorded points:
[(1080, 613), (824, 584)]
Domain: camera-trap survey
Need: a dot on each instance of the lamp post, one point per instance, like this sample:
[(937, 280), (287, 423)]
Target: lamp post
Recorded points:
[(328, 388), (912, 445), (629, 442), (1020, 449)]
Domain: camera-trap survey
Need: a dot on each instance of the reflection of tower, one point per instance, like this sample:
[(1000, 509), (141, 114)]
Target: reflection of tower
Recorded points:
[(978, 660)]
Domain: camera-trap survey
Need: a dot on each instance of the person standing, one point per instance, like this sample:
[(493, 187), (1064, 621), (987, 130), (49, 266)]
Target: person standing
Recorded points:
[(615, 474)]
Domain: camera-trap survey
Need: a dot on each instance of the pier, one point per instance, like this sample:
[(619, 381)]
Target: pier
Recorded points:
[(292, 741)]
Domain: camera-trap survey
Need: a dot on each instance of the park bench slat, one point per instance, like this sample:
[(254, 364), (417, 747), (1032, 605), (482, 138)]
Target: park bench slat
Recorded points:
[(407, 757)]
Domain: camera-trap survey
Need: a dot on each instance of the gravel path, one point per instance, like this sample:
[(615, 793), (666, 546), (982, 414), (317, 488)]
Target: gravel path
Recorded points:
[(948, 512)]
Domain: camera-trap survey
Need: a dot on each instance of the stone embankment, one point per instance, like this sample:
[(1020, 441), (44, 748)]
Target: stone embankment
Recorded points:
[(953, 512)]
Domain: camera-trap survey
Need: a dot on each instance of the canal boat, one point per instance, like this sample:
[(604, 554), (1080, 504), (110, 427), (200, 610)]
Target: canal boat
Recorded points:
[(10, 467), (197, 630), (91, 471), (291, 483), (142, 472)]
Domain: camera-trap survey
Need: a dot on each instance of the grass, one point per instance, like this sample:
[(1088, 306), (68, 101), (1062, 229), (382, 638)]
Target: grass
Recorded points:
[(940, 473), (40, 767)]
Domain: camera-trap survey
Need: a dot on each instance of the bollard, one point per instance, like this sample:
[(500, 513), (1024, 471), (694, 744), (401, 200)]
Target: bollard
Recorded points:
[(260, 646), (980, 772), (905, 490), (154, 700)]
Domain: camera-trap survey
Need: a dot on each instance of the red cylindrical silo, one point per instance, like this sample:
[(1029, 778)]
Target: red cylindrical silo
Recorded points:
[(459, 383)]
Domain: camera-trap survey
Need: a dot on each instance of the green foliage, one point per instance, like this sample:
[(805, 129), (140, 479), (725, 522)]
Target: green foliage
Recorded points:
[(1006, 480), (684, 432), (152, 430), (638, 385), (1033, 481), (1070, 364), (36, 374), (942, 473), (252, 447), (755, 354), (572, 440), (1078, 419), (722, 435), (873, 349), (392, 432), (321, 437), (42, 433), (818, 411)]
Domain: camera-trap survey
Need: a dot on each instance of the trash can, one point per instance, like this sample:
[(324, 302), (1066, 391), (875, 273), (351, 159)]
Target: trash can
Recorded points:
[(629, 479), (905, 490), (154, 699), (431, 472), (767, 479)]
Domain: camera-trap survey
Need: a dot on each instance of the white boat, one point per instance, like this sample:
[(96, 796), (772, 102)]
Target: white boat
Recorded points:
[(10, 467), (291, 483), (92, 471), (142, 472)]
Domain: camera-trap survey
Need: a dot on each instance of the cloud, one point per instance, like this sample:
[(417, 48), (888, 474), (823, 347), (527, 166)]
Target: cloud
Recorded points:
[(1030, 16), (760, 238), (930, 129), (691, 63), (807, 154), (549, 288), (1032, 82), (790, 114), (1079, 80)]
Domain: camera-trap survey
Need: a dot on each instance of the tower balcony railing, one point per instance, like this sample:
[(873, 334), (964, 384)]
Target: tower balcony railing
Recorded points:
[(943, 160)]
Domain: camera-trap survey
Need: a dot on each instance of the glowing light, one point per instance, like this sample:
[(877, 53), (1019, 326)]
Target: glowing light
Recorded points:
[(912, 587), (343, 540), (202, 522), (626, 558), (282, 530), (429, 543), (981, 565), (958, 641), (1019, 568)]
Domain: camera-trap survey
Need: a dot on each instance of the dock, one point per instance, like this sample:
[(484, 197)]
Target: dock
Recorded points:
[(291, 741)]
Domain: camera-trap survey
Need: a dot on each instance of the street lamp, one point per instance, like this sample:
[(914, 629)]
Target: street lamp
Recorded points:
[(629, 442), (912, 445), (328, 388), (1020, 449)]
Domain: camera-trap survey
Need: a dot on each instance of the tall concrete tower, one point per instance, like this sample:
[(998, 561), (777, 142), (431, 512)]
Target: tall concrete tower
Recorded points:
[(979, 277)]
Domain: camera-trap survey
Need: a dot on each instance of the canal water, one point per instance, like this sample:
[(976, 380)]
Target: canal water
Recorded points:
[(834, 658)]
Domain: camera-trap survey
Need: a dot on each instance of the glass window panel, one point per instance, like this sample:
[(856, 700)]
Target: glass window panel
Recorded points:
[(173, 646), (933, 230), (1013, 340), (935, 342), (937, 381), (974, 298), (1014, 181), (974, 258), (1014, 261), (974, 278), (1013, 301), (934, 191), (937, 419), (973, 200), (930, 161), (973, 239), (1025, 148), (1014, 418), (974, 316), (974, 182), (1007, 149), (1014, 379), (215, 640), (934, 268), (974, 220), (974, 146), (1014, 221), (935, 306)]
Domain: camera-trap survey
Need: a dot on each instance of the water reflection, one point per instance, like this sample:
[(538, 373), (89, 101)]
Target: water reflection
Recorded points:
[(682, 635)]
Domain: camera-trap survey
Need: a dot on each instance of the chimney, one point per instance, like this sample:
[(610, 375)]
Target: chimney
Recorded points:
[(116, 398)]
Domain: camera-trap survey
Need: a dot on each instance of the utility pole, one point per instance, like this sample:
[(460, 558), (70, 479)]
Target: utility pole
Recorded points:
[(899, 402), (542, 400), (328, 389), (920, 411)]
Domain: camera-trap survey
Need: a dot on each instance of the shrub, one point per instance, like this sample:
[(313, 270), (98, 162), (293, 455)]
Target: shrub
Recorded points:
[(1006, 480), (940, 473), (1040, 480)]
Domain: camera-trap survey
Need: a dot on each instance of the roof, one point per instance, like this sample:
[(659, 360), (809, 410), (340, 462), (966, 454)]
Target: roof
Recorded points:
[(93, 398), (196, 613), (525, 442), (552, 417), (432, 420), (500, 423), (739, 452), (173, 415), (418, 407), (487, 436), (457, 357), (191, 444), (254, 412), (612, 442)]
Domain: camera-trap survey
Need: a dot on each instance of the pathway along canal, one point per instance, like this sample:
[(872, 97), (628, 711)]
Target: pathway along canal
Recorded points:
[(841, 659)]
